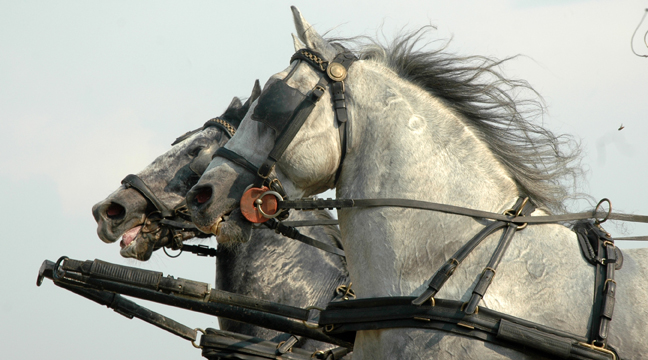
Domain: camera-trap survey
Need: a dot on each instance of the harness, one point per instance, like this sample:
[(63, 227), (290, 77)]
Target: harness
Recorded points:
[(177, 221), (285, 110)]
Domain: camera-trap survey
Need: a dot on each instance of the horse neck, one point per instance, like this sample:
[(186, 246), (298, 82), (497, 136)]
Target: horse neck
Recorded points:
[(279, 269), (408, 144)]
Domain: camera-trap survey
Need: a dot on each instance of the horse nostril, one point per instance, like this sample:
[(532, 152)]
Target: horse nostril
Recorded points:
[(115, 211), (203, 195)]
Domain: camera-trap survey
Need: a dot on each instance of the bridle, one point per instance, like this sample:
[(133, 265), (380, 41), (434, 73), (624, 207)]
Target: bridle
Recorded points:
[(177, 220), (285, 110)]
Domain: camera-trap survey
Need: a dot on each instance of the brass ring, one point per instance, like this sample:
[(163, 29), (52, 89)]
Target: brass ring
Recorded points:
[(463, 306), (193, 342), (258, 206), (526, 199), (597, 221), (305, 322), (607, 281), (491, 269), (329, 327)]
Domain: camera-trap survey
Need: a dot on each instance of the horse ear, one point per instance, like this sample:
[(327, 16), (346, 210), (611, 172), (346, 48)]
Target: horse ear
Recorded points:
[(310, 37), (297, 43), (256, 91), (234, 104)]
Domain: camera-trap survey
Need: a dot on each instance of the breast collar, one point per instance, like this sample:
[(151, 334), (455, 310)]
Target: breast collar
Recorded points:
[(285, 109)]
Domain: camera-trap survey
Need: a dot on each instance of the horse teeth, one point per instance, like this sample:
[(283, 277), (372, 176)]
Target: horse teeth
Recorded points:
[(215, 229)]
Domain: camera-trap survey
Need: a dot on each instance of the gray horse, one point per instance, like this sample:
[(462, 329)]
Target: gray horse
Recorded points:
[(431, 126), (269, 267)]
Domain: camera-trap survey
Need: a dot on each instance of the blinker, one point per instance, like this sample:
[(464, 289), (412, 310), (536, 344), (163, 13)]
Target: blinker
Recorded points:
[(276, 105)]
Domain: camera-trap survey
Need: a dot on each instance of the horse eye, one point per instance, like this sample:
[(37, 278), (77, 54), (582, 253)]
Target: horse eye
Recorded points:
[(195, 151)]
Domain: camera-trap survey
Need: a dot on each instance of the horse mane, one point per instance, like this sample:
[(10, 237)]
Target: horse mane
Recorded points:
[(545, 166)]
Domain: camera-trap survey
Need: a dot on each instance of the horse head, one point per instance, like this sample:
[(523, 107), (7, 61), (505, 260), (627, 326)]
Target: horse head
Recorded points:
[(312, 157), (136, 209)]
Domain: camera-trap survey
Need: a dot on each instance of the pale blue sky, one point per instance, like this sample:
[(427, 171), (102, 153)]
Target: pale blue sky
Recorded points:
[(90, 92)]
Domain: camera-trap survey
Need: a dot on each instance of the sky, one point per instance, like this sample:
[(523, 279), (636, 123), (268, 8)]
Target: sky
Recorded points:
[(93, 91)]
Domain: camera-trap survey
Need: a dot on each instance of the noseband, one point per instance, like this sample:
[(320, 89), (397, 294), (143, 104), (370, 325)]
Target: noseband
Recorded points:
[(285, 110)]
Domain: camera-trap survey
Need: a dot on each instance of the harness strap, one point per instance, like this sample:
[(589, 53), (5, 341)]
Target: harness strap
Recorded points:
[(320, 204), (287, 345), (340, 318), (293, 233), (522, 208), (443, 274)]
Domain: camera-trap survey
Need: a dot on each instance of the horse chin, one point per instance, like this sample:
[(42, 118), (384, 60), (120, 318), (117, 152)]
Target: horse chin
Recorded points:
[(236, 229), (138, 245)]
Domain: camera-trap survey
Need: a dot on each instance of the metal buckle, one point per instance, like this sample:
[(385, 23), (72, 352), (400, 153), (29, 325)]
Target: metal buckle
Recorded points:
[(599, 348), (193, 342)]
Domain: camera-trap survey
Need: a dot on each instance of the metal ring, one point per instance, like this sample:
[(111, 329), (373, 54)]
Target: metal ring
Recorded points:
[(171, 256), (278, 196), (607, 281), (57, 265), (596, 210), (526, 199), (193, 342), (463, 306), (310, 326), (329, 327)]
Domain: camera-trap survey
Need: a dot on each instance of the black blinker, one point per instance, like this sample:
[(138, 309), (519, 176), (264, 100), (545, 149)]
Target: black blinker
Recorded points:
[(276, 105)]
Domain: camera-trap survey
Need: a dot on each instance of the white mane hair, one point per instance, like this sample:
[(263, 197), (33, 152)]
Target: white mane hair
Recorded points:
[(505, 113)]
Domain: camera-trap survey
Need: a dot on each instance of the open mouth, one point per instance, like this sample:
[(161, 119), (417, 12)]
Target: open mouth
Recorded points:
[(129, 240)]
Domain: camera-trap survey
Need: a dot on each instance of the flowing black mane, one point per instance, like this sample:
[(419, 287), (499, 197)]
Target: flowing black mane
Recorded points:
[(502, 111)]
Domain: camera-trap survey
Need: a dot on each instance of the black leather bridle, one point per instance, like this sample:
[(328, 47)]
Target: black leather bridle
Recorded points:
[(177, 220), (285, 110)]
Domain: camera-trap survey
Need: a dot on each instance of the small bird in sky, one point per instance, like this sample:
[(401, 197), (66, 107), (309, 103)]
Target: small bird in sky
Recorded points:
[(621, 127)]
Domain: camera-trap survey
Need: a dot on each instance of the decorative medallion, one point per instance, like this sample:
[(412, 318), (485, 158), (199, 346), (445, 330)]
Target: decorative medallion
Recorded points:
[(336, 71)]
